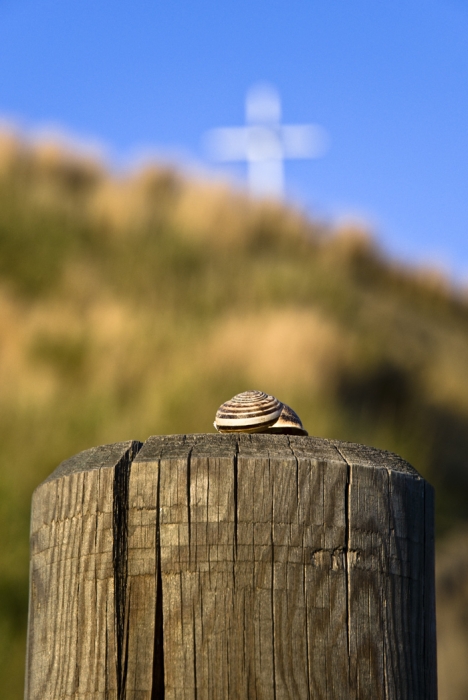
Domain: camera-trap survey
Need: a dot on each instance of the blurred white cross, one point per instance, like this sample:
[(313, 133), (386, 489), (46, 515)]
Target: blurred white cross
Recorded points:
[(265, 143)]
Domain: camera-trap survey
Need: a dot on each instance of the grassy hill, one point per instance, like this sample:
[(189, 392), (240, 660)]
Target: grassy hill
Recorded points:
[(135, 305)]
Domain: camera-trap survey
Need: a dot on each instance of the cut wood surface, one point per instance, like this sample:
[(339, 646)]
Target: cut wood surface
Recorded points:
[(232, 566)]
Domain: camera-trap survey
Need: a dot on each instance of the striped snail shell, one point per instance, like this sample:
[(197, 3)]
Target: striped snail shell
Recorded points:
[(249, 412), (288, 423), (257, 412)]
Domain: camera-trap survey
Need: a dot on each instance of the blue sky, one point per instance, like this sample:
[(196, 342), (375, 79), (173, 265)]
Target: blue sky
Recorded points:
[(388, 80)]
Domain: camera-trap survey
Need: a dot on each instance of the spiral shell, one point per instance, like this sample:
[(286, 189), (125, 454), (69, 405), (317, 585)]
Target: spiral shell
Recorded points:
[(257, 412), (288, 423), (249, 412)]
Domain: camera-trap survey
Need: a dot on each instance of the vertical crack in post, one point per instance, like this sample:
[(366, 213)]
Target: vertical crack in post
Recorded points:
[(273, 582), (304, 587), (386, 650), (106, 660), (189, 515), (347, 539), (346, 554), (120, 563), (236, 494), (158, 687), (194, 642), (189, 528)]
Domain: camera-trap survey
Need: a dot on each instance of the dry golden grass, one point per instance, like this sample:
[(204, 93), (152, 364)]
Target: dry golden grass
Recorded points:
[(136, 304), (452, 617), (281, 350), (216, 215)]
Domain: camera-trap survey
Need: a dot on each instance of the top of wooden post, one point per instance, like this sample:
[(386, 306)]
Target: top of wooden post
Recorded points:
[(232, 566), (242, 444)]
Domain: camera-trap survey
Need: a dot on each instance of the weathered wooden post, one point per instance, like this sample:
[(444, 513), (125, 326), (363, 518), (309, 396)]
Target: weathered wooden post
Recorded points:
[(232, 566)]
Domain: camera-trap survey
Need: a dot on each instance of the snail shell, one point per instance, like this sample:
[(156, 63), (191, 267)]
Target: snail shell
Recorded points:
[(257, 412), (249, 412), (288, 423)]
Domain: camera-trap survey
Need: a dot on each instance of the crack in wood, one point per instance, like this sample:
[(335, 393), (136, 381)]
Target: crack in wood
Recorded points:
[(346, 557), (158, 686), (120, 563), (189, 514)]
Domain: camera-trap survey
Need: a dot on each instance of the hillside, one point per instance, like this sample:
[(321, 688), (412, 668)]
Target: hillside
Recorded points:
[(134, 305)]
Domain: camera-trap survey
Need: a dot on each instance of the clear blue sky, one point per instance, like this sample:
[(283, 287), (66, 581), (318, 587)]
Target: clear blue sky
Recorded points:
[(388, 79)]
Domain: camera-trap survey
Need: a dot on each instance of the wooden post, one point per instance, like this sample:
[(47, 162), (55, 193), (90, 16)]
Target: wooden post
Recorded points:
[(232, 567)]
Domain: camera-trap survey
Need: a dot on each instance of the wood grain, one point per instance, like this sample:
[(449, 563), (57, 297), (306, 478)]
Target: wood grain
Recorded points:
[(218, 566)]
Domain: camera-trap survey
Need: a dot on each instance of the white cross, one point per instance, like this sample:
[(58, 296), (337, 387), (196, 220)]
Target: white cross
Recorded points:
[(265, 143)]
